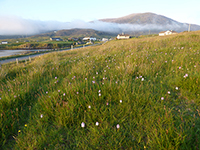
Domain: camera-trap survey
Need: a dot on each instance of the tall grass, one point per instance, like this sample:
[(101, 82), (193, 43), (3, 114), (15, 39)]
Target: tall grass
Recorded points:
[(129, 94)]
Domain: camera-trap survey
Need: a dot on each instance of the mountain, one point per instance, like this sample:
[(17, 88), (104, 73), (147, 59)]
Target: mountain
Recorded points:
[(142, 18), (151, 21), (77, 33)]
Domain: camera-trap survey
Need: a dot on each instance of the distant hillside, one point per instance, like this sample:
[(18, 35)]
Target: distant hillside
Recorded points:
[(13, 36), (76, 33), (153, 21)]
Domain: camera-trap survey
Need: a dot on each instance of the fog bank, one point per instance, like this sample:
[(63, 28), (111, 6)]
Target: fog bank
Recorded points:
[(10, 25)]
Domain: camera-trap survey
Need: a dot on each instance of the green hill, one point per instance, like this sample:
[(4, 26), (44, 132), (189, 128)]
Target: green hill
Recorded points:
[(129, 94), (77, 33)]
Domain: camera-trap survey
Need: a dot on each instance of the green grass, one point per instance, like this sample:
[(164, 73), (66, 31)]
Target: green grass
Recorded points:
[(140, 72)]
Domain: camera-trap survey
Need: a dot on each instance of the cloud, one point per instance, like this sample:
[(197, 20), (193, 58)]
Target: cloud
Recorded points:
[(11, 25)]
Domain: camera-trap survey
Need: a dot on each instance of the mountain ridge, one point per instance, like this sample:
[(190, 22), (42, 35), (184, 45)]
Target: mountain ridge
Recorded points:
[(77, 33)]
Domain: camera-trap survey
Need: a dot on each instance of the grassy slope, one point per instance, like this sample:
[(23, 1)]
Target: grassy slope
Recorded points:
[(61, 86), (37, 45), (76, 33)]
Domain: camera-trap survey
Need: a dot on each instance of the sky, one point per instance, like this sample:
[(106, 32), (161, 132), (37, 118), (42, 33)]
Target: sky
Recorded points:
[(11, 11)]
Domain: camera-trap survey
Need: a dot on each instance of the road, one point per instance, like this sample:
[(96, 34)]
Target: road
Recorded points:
[(36, 55)]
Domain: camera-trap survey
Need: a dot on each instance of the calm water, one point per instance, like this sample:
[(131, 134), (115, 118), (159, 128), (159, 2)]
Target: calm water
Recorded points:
[(4, 53)]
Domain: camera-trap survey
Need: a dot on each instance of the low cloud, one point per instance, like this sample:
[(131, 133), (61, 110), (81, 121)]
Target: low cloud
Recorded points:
[(10, 25)]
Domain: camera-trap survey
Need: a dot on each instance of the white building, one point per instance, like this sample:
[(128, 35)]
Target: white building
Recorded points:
[(123, 36), (56, 39), (105, 39), (89, 38), (90, 42), (4, 42), (168, 32)]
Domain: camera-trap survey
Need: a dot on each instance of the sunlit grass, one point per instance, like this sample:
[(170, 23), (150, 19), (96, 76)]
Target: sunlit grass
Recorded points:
[(135, 94)]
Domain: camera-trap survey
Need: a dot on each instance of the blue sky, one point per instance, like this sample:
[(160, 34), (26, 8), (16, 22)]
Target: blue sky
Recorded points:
[(68, 10)]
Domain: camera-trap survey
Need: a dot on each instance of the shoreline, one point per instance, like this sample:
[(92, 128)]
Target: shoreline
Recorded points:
[(36, 53), (33, 48)]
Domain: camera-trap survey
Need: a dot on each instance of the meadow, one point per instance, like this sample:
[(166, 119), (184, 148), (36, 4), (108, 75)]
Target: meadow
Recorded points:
[(38, 45), (129, 94)]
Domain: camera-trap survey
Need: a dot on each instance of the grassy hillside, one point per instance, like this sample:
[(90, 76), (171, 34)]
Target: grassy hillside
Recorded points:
[(38, 45), (42, 41), (128, 94), (76, 33)]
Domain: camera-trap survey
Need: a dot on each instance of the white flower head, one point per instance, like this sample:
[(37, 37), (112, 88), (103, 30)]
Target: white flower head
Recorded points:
[(99, 94), (117, 126), (41, 116), (120, 101), (162, 98), (89, 106), (97, 123), (176, 88), (142, 79), (168, 92), (82, 124)]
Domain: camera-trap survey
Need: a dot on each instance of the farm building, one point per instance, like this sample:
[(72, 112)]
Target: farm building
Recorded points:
[(89, 38), (168, 32), (104, 39), (55, 39), (123, 36), (4, 42)]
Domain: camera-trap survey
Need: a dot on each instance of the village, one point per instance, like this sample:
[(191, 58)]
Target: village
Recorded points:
[(90, 40)]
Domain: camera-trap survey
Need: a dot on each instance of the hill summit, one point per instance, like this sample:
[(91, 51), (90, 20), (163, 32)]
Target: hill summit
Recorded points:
[(152, 21)]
